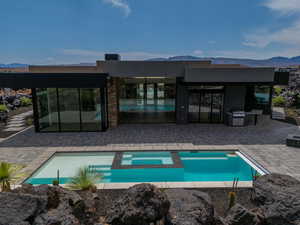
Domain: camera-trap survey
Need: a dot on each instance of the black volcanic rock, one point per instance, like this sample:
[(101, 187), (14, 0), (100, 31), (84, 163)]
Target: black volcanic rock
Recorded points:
[(279, 198), (141, 204), (190, 207)]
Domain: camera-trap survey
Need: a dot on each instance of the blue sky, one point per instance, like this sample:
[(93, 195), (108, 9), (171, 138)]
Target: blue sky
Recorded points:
[(73, 31)]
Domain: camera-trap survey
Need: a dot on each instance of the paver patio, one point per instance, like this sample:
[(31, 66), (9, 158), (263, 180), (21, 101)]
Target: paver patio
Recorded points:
[(265, 142)]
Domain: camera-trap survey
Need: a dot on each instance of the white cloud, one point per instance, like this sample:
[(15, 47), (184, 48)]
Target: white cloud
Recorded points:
[(289, 35), (283, 6), (121, 4), (134, 55), (254, 54), (198, 52)]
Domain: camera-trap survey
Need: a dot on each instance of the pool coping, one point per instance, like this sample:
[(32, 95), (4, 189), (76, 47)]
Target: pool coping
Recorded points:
[(117, 162), (50, 152)]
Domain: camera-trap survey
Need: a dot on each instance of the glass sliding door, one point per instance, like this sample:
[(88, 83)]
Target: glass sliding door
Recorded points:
[(47, 109), (71, 109), (90, 109), (217, 108), (150, 94), (194, 107), (205, 107)]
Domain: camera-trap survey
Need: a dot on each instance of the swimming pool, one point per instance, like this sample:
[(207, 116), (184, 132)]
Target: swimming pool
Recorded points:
[(158, 166)]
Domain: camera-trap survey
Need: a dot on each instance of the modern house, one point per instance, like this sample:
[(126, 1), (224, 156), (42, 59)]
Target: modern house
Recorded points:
[(95, 98)]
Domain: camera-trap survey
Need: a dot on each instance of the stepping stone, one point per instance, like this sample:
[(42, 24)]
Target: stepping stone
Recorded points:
[(16, 121), (14, 126), (14, 129)]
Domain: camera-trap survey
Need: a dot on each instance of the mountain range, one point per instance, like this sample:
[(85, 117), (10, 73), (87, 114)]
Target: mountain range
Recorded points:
[(272, 62)]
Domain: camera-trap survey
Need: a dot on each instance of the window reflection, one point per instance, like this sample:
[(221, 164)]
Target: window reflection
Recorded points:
[(145, 100), (69, 109)]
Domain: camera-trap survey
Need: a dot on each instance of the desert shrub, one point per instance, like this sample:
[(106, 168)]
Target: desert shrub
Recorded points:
[(277, 90), (279, 101), (85, 179), (25, 101), (3, 108), (8, 174), (29, 121)]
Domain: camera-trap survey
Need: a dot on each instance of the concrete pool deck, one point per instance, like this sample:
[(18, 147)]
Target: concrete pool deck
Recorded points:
[(265, 143)]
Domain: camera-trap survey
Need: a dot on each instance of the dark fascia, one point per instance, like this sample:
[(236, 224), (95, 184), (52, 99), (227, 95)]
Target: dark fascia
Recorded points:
[(53, 80), (230, 75)]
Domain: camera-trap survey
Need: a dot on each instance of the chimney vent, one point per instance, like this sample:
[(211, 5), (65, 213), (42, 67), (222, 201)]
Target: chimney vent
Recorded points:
[(112, 57)]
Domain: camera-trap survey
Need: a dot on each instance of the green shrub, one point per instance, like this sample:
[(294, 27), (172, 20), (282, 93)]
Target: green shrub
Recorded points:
[(25, 101), (85, 179), (277, 91), (279, 101), (29, 121), (3, 108), (8, 174)]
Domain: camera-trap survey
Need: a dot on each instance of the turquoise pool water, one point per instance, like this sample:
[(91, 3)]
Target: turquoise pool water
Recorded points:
[(147, 108), (195, 166)]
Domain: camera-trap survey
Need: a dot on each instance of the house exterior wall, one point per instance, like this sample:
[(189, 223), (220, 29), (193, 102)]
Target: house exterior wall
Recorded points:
[(234, 99)]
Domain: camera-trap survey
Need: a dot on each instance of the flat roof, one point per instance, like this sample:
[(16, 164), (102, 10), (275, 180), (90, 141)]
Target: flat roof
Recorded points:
[(52, 80)]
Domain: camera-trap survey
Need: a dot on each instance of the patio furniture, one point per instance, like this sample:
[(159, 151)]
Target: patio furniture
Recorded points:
[(255, 113), (293, 140)]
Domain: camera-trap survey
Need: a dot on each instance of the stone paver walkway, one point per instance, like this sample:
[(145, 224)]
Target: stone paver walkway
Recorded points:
[(265, 142), (17, 122)]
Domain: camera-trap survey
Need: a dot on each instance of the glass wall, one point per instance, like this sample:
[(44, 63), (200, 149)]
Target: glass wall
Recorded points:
[(147, 100), (205, 106), (90, 109), (47, 109), (69, 109)]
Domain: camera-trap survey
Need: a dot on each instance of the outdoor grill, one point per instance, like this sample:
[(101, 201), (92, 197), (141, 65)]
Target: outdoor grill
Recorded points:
[(236, 118)]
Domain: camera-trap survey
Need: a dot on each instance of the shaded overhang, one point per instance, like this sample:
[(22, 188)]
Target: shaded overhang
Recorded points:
[(229, 75), (282, 78), (52, 80)]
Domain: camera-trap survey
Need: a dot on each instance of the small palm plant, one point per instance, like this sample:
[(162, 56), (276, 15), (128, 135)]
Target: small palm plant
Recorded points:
[(85, 179), (9, 173)]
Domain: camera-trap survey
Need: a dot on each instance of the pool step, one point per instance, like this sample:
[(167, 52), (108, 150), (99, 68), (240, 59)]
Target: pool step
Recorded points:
[(103, 169), (204, 158)]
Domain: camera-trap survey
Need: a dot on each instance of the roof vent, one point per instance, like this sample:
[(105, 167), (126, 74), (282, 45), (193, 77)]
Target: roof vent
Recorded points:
[(112, 57)]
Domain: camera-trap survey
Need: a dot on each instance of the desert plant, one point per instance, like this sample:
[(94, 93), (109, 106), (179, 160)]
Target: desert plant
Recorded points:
[(3, 108), (25, 101), (55, 182), (279, 101), (232, 193), (29, 121), (277, 90), (85, 179), (8, 174)]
